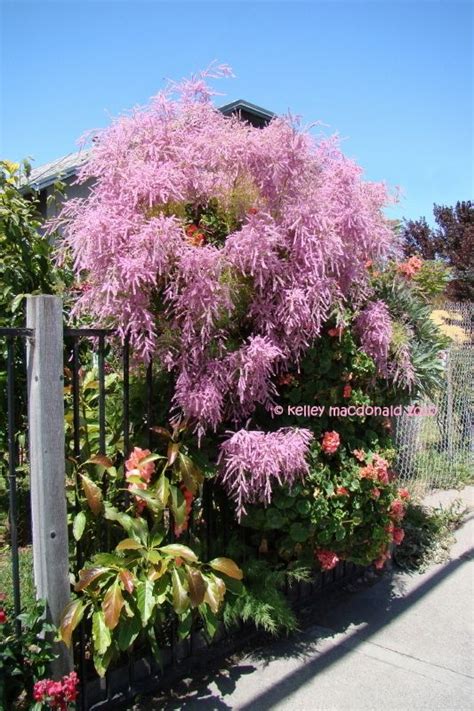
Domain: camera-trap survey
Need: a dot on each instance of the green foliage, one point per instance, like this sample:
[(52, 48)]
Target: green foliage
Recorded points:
[(133, 592), (24, 660), (262, 601), (428, 535), (26, 576)]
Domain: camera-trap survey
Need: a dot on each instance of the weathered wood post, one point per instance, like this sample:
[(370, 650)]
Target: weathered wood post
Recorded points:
[(47, 461)]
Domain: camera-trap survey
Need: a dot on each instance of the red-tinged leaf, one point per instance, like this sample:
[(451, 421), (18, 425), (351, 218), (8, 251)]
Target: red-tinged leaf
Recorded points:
[(128, 544), (228, 567), (70, 618), (102, 460), (127, 580), (93, 495), (173, 450), (176, 550), (162, 431), (88, 575), (192, 476), (112, 605), (196, 586)]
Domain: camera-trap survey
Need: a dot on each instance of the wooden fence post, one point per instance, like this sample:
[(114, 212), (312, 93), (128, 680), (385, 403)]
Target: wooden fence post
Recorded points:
[(47, 461)]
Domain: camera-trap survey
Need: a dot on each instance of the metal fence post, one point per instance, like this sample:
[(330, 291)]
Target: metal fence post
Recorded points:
[(47, 461)]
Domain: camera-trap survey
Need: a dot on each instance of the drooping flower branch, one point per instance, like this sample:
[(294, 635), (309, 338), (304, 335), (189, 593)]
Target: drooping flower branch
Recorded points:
[(253, 463)]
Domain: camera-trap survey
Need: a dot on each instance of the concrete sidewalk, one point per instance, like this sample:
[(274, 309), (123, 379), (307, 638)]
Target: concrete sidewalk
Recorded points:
[(404, 643)]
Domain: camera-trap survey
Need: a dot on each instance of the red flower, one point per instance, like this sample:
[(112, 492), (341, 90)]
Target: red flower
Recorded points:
[(397, 510), (404, 493), (252, 211), (336, 331), (331, 442), (327, 559), (375, 493), (347, 392), (342, 491), (3, 617), (398, 535)]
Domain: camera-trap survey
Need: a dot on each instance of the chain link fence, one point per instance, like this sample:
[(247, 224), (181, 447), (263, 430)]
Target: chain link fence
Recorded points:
[(436, 451)]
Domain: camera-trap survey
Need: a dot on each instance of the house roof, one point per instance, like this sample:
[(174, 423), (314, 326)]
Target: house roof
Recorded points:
[(67, 166)]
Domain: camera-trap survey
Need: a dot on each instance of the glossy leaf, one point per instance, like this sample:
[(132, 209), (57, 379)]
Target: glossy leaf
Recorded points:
[(196, 586), (215, 591), (192, 476), (88, 575), (100, 633), (177, 550), (145, 600), (79, 525), (228, 567), (128, 544), (162, 490), (102, 460), (173, 450), (93, 494), (127, 632), (71, 617), (181, 599), (127, 580), (112, 605)]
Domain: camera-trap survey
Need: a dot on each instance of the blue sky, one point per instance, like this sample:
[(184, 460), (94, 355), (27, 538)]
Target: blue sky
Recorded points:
[(393, 78)]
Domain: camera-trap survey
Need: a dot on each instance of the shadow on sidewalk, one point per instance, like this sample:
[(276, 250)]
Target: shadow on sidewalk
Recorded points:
[(391, 603)]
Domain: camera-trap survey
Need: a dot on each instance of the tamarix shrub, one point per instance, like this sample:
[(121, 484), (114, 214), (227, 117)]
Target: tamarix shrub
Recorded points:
[(221, 247)]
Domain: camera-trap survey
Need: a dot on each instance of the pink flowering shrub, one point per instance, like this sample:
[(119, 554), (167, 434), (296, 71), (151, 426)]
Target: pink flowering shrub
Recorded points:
[(198, 223)]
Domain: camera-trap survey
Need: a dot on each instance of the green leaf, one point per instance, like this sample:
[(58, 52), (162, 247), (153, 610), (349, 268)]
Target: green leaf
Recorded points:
[(145, 600), (79, 525), (128, 544), (127, 632), (215, 591), (181, 599), (100, 633), (178, 505), (136, 527), (228, 567), (177, 550), (184, 626), (299, 533), (211, 621), (102, 661), (162, 490), (192, 476)]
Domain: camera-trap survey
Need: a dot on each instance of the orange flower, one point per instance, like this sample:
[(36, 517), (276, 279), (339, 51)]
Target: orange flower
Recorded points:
[(359, 454), (338, 331), (331, 442)]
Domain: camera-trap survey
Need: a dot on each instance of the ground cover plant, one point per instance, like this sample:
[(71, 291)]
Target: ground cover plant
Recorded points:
[(257, 268)]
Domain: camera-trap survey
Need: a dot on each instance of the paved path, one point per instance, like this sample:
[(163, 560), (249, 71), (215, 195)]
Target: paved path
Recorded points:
[(406, 643)]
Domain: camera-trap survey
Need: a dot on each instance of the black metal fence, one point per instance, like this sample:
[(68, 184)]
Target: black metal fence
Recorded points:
[(140, 672)]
